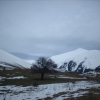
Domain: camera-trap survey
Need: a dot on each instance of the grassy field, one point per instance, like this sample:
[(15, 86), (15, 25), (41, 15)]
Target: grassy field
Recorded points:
[(30, 78)]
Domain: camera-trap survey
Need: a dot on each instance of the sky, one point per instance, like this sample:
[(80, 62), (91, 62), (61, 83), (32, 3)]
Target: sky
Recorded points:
[(49, 27)]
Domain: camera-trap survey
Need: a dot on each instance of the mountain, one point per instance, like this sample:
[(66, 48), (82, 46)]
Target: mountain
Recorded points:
[(30, 61), (9, 61), (79, 60)]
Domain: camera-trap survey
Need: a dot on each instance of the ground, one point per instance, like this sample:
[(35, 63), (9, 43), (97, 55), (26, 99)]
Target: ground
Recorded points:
[(22, 85)]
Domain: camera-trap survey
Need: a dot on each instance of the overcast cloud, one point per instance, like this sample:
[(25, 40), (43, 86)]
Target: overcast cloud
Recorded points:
[(49, 27)]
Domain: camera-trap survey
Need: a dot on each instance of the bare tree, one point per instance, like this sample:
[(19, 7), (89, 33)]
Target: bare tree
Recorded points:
[(43, 66)]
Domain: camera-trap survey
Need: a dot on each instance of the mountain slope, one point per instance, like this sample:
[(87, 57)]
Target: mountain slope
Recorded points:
[(30, 61), (79, 60), (60, 59), (8, 60)]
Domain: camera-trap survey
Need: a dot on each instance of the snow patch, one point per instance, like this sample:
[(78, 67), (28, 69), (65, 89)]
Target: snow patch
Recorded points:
[(42, 91)]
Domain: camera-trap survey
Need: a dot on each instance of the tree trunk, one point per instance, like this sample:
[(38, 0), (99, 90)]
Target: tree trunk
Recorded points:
[(42, 76)]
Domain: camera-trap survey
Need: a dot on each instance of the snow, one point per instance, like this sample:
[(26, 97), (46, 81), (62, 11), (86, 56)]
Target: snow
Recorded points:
[(12, 92), (62, 76), (67, 77), (30, 61), (59, 59), (91, 58), (2, 78), (17, 77), (8, 58), (71, 95)]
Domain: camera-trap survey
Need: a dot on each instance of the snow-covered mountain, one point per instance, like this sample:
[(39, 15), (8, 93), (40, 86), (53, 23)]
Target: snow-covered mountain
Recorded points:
[(30, 61), (80, 60), (9, 61)]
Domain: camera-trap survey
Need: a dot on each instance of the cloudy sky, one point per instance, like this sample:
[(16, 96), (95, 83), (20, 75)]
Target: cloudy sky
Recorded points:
[(49, 27)]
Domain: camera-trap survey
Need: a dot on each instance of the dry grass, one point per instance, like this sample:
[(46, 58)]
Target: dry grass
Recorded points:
[(34, 78)]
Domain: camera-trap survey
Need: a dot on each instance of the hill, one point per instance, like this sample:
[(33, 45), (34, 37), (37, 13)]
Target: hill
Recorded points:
[(9, 61)]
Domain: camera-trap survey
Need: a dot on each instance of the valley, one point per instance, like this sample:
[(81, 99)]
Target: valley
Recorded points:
[(20, 84), (49, 49), (66, 83)]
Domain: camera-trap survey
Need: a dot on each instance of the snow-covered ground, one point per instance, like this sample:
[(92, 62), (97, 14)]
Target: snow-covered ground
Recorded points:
[(42, 91), (2, 78), (17, 77), (67, 77)]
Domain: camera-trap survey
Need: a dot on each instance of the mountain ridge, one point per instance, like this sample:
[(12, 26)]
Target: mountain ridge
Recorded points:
[(78, 60), (9, 60)]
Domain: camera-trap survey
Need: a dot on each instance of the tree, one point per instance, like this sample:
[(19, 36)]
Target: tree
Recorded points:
[(43, 66)]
